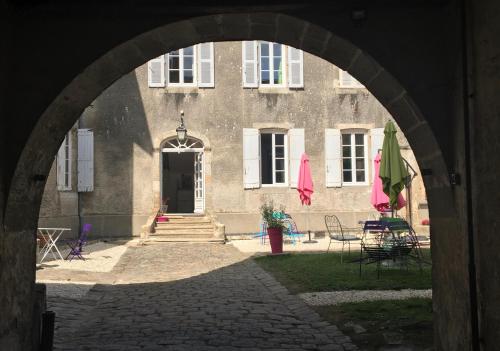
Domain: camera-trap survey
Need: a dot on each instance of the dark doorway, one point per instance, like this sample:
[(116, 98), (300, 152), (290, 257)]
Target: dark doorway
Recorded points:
[(177, 182)]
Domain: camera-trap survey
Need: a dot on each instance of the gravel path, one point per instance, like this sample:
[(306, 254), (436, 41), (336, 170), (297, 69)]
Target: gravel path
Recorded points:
[(338, 297)]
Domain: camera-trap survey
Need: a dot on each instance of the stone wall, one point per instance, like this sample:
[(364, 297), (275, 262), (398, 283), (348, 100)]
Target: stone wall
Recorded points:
[(131, 120)]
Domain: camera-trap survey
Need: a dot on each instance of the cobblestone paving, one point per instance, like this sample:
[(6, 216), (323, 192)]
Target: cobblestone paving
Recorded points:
[(188, 297)]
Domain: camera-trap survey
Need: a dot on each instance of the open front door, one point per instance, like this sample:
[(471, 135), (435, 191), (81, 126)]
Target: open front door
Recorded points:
[(199, 189)]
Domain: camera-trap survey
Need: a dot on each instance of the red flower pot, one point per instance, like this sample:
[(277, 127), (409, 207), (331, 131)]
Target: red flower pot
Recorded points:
[(276, 239)]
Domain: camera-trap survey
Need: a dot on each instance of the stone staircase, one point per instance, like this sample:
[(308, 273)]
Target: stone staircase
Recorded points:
[(186, 228)]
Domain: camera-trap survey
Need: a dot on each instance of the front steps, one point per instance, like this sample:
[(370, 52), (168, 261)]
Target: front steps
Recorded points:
[(185, 228)]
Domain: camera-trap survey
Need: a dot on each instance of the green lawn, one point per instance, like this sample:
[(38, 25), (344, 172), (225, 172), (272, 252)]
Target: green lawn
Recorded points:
[(409, 321), (324, 272)]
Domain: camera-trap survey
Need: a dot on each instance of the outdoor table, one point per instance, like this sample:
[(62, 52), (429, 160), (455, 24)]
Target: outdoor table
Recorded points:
[(51, 236)]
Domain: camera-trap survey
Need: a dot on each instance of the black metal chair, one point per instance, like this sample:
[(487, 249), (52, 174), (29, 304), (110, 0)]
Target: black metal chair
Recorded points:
[(396, 241), (336, 232)]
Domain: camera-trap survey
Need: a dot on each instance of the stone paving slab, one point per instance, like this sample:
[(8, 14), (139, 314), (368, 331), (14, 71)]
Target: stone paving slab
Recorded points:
[(178, 296), (338, 297)]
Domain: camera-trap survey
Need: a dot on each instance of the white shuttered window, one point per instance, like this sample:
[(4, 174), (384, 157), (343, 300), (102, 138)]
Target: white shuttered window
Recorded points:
[(273, 158), (85, 160), (181, 70), (64, 164), (333, 158), (206, 65), (354, 158), (251, 158), (296, 137), (191, 66), (295, 68)]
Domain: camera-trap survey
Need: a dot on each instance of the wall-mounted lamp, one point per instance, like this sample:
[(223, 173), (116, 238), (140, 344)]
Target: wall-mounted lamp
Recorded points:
[(358, 14), (181, 130)]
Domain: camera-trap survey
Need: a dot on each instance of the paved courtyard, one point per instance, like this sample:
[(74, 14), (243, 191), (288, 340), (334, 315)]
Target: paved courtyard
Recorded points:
[(176, 296)]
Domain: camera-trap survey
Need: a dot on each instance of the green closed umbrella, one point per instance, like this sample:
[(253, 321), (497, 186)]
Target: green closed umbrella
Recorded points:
[(393, 172)]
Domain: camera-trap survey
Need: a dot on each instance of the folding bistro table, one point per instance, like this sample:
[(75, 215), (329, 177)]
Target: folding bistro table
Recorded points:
[(50, 236)]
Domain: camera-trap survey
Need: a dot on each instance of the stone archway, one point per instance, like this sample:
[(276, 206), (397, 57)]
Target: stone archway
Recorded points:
[(24, 196)]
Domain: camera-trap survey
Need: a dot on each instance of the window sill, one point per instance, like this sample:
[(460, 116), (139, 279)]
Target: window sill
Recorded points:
[(355, 184), (267, 186)]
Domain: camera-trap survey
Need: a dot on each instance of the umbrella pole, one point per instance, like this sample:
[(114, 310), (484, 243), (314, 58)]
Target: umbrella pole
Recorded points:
[(309, 241)]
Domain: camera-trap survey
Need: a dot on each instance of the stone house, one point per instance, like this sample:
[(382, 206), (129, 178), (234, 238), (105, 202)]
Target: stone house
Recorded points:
[(251, 109)]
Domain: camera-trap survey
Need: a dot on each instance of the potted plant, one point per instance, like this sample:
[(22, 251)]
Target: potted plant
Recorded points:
[(275, 225)]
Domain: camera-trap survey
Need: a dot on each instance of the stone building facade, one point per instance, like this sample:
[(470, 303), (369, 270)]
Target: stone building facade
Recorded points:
[(250, 109)]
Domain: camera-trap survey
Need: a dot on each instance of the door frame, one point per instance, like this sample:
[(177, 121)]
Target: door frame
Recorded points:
[(191, 145)]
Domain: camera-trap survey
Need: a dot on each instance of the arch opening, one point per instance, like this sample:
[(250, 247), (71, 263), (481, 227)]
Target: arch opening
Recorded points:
[(70, 103)]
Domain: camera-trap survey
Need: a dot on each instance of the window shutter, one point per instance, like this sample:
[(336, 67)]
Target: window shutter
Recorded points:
[(345, 79), (206, 65), (251, 158), (60, 165), (85, 160), (295, 68), (333, 157), (250, 64), (348, 81), (156, 72), (377, 140), (296, 142)]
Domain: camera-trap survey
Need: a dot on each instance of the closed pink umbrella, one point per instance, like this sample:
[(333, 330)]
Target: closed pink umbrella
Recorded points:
[(305, 183), (305, 188), (379, 199)]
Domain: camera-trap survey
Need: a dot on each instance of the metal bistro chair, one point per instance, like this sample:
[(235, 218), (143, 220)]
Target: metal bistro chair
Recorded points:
[(291, 230), (336, 232), (76, 246)]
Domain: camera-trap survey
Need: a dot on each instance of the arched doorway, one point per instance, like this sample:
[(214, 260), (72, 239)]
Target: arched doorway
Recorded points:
[(404, 100), (182, 176)]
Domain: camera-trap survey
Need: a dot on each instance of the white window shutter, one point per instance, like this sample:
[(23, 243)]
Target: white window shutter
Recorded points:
[(251, 158), (249, 64), (333, 157), (156, 72), (345, 78), (295, 68), (85, 160), (377, 140), (60, 161), (296, 142), (348, 81), (206, 65)]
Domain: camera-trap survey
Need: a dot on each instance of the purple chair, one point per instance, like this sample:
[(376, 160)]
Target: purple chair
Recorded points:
[(76, 246)]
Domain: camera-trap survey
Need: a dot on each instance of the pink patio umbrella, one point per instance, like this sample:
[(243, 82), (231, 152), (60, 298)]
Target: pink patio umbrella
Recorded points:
[(305, 188), (379, 199)]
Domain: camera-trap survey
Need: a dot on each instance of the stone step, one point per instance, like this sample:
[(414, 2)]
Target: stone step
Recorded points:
[(184, 231), (178, 216), (185, 228), (172, 226), (161, 239), (183, 235), (187, 220)]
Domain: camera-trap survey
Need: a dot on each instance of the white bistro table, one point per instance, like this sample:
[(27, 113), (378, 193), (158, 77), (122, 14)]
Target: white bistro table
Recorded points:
[(51, 236)]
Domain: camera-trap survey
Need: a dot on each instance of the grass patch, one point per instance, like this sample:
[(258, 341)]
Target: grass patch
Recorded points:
[(402, 322), (324, 272)]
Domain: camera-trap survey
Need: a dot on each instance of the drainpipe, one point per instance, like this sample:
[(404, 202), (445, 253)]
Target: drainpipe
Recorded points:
[(78, 205), (468, 96)]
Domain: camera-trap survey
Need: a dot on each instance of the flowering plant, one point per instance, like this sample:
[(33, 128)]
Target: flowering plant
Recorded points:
[(273, 217)]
